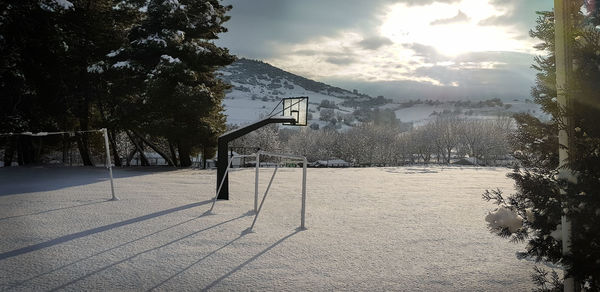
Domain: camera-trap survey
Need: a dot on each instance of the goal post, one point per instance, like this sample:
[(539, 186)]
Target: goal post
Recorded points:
[(109, 165)]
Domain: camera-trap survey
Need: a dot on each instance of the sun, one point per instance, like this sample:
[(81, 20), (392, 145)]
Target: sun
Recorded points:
[(451, 29)]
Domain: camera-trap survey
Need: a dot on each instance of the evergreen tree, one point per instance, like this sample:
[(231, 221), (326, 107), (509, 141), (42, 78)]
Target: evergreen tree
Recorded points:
[(49, 78), (533, 214), (31, 88), (91, 28), (170, 62)]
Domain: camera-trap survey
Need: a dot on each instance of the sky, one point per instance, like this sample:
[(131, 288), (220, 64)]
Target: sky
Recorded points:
[(439, 49)]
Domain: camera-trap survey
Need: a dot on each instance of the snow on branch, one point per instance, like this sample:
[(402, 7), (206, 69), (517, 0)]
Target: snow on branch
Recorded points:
[(96, 68), (170, 59), (56, 4), (504, 218), (152, 39)]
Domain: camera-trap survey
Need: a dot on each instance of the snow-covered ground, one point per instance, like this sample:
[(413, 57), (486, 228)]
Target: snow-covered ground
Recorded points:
[(369, 229)]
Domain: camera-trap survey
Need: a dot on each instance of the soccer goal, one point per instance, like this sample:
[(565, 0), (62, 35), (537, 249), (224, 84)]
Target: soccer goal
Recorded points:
[(58, 149), (258, 207)]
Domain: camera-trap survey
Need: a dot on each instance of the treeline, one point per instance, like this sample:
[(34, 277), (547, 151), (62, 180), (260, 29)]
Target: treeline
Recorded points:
[(372, 144), (145, 70), (493, 102)]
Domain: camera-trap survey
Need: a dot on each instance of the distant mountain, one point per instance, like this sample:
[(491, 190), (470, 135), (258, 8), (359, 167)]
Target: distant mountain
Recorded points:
[(257, 88), (245, 74)]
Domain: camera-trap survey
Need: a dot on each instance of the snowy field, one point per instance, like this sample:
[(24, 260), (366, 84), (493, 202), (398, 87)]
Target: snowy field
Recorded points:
[(369, 229)]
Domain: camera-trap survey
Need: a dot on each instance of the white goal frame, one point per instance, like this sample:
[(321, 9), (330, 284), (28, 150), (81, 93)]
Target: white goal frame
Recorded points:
[(257, 207), (106, 147)]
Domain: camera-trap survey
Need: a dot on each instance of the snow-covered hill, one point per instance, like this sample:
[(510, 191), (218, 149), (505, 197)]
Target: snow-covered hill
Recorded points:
[(257, 88)]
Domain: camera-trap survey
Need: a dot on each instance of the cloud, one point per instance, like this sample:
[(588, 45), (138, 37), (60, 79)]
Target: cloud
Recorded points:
[(255, 26), (428, 53), (514, 58), (496, 20), (307, 52), (374, 42), (460, 17), (487, 84), (425, 2), (505, 75), (340, 60), (519, 14), (344, 40)]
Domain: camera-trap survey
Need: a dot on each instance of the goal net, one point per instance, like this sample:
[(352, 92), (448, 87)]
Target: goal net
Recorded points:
[(284, 161), (62, 153), (84, 148)]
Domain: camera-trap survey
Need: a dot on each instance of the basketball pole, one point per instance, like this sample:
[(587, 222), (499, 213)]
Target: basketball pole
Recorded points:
[(109, 164)]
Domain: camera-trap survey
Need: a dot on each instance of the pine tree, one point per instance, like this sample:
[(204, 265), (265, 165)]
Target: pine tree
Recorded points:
[(31, 88), (90, 29), (170, 63), (49, 79), (533, 213)]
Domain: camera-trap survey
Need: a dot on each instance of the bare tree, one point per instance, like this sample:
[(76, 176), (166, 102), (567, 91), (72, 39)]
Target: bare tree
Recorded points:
[(424, 141), (446, 129)]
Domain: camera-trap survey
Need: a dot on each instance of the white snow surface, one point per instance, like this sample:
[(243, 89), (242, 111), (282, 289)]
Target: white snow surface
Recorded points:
[(369, 229)]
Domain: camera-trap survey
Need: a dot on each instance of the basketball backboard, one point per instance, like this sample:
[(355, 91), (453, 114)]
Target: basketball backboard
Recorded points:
[(296, 107)]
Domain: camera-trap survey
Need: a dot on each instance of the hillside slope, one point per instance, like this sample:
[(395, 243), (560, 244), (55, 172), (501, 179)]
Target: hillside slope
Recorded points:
[(257, 88)]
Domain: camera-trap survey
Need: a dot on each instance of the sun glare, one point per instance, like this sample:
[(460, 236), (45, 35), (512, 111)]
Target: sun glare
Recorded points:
[(452, 29)]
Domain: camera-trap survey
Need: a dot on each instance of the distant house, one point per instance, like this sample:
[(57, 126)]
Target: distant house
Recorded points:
[(465, 161), (331, 163)]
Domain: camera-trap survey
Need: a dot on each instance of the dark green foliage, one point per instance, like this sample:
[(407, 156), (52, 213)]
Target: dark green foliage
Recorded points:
[(538, 199), (31, 49), (110, 63), (546, 281), (169, 64)]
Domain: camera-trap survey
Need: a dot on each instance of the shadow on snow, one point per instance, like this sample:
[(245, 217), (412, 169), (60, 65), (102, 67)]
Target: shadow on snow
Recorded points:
[(81, 234), (22, 180)]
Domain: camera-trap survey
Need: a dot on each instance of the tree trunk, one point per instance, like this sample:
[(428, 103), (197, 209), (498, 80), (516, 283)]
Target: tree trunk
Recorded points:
[(139, 148), (82, 140), (130, 156), (113, 145), (84, 150), (173, 153), (66, 144), (9, 151), (155, 148), (203, 157), (111, 138), (25, 150), (184, 154)]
